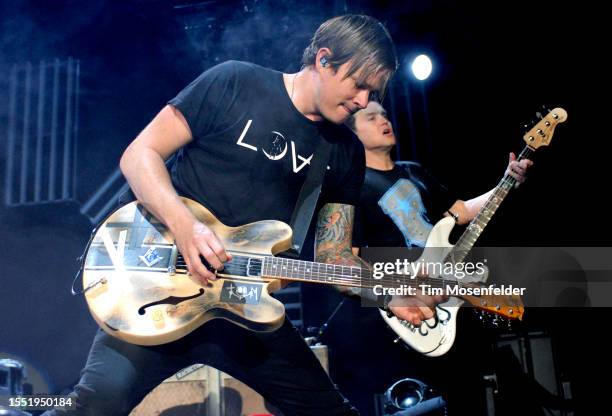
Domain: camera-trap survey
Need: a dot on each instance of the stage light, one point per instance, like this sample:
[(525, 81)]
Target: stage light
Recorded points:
[(421, 67), (410, 397), (405, 393)]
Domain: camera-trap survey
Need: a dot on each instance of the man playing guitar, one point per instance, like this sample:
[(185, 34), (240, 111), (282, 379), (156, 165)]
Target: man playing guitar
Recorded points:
[(245, 137)]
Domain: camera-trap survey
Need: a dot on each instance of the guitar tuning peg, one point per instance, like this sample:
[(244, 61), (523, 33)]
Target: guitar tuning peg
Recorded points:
[(528, 125), (539, 115), (483, 316)]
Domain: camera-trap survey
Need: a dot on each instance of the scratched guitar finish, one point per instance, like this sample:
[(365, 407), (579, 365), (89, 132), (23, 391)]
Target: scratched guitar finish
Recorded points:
[(138, 289)]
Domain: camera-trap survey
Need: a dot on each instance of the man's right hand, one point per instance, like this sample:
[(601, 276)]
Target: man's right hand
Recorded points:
[(195, 239), (143, 165), (416, 308)]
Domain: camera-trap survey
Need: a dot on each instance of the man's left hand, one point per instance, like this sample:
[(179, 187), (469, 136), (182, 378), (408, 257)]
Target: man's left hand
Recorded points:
[(518, 170)]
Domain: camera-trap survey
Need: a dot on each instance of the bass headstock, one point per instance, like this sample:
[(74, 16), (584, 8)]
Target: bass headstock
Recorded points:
[(508, 306), (542, 132)]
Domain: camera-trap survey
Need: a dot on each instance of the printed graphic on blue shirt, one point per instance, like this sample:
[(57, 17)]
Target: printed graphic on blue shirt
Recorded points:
[(403, 204)]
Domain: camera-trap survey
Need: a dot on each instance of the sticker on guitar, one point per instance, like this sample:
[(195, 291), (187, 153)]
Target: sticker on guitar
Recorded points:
[(235, 292)]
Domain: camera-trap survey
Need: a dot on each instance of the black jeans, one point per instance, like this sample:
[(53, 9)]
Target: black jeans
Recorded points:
[(279, 365)]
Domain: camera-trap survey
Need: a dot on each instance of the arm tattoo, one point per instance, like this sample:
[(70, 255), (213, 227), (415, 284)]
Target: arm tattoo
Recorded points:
[(334, 232), (333, 241)]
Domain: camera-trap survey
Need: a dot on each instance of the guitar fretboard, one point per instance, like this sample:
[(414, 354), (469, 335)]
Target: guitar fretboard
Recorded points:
[(307, 271), (478, 224), (291, 269)]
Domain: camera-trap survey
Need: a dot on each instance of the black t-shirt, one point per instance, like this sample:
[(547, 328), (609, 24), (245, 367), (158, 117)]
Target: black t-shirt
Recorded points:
[(251, 147), (398, 207)]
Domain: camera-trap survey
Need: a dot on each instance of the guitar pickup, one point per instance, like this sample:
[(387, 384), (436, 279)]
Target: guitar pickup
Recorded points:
[(253, 268)]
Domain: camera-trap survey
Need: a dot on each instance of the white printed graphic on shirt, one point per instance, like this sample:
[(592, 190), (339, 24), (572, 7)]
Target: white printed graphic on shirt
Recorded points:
[(277, 148), (244, 132)]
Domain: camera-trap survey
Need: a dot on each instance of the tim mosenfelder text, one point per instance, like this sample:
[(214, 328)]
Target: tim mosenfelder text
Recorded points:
[(448, 280)]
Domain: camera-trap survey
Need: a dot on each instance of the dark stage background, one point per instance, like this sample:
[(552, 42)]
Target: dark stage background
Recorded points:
[(495, 65)]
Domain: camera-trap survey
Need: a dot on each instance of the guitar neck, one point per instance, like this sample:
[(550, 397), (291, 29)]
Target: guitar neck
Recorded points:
[(308, 271), (480, 221)]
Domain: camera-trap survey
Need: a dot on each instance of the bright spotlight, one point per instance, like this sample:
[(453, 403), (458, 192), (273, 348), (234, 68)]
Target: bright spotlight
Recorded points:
[(412, 394), (421, 67)]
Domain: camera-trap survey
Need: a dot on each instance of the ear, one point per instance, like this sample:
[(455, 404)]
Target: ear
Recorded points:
[(325, 54)]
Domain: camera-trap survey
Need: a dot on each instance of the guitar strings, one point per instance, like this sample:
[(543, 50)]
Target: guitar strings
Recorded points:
[(340, 278)]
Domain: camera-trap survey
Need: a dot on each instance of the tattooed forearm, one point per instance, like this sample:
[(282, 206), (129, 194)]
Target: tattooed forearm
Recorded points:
[(335, 224), (333, 241), (334, 232)]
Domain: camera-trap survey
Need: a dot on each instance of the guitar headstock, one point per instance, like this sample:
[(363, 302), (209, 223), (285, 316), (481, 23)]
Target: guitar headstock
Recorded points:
[(541, 134), (508, 306)]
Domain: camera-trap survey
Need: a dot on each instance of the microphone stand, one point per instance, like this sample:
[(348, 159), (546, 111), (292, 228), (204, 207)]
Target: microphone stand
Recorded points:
[(316, 340)]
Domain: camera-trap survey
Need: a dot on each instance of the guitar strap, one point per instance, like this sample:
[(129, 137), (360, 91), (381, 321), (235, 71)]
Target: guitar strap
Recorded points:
[(308, 197)]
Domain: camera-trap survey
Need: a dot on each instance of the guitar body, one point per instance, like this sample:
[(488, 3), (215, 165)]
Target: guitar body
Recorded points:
[(137, 287), (436, 335)]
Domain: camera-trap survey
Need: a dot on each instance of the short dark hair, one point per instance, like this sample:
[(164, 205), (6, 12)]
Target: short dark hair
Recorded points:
[(361, 39), (351, 121)]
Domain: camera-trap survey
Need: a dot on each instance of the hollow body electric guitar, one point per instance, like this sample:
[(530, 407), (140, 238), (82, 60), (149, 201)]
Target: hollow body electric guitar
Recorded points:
[(137, 288), (437, 335)]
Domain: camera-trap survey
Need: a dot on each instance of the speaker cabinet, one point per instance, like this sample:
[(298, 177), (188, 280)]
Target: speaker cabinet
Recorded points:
[(527, 379)]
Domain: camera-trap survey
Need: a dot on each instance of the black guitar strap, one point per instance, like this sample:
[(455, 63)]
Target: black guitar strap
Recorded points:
[(308, 197)]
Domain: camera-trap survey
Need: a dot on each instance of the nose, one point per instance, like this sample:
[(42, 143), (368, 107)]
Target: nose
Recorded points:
[(362, 98)]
